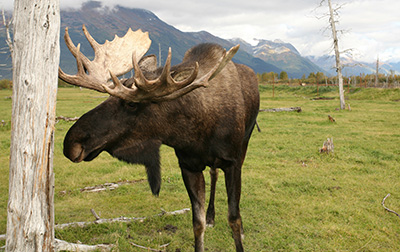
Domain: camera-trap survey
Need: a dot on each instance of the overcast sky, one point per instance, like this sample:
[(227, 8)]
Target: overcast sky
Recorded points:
[(372, 27)]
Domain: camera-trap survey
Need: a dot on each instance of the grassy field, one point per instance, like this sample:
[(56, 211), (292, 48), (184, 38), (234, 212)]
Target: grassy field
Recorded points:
[(293, 197)]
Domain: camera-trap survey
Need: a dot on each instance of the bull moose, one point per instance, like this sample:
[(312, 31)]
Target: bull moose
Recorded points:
[(205, 108)]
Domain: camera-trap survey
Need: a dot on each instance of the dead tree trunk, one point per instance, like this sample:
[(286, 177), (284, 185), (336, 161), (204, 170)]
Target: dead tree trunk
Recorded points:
[(377, 73), (337, 54), (30, 219)]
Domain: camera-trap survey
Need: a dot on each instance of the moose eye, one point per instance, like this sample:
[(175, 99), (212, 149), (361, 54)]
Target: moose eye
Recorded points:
[(131, 105)]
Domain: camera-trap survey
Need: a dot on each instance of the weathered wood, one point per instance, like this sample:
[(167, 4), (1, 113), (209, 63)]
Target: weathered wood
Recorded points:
[(322, 98), (7, 24), (327, 146), (60, 245), (104, 187), (292, 109), (339, 65), (36, 52), (67, 119), (118, 219), (150, 249), (387, 209)]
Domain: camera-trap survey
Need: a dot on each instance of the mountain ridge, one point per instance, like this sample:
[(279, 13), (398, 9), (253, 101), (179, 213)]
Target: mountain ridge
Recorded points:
[(104, 22), (353, 67)]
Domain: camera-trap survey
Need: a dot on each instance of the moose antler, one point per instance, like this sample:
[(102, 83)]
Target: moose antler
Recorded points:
[(165, 88), (114, 56), (111, 61)]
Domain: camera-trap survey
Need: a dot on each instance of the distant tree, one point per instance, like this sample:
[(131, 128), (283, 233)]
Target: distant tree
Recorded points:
[(258, 78), (283, 76), (311, 78), (311, 75), (264, 77), (320, 77)]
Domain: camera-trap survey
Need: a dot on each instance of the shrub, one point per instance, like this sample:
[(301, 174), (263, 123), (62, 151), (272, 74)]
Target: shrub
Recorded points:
[(5, 84)]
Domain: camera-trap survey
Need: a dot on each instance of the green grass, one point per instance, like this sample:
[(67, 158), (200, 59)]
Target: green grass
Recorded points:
[(293, 197)]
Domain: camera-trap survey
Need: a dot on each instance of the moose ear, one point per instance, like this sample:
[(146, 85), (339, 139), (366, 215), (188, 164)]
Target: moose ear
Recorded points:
[(182, 74), (148, 63)]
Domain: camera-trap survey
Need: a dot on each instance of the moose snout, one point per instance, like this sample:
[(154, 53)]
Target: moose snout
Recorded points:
[(74, 152)]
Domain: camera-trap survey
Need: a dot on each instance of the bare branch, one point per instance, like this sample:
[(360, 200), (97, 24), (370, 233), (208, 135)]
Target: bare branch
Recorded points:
[(7, 26), (119, 219), (97, 221), (67, 119), (61, 245), (149, 249), (95, 214), (292, 109), (387, 209)]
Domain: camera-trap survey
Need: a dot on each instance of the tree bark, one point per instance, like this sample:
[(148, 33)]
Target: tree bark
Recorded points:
[(36, 52)]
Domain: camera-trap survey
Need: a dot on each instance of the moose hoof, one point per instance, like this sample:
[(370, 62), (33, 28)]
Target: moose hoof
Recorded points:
[(210, 223)]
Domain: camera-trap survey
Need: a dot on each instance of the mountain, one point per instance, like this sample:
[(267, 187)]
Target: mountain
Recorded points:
[(353, 67), (104, 22), (283, 55)]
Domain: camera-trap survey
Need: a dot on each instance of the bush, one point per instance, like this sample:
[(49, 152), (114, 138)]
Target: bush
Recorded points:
[(5, 84)]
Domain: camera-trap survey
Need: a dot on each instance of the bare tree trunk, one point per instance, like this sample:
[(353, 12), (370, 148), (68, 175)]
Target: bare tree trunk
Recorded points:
[(7, 24), (377, 73), (337, 54), (30, 219)]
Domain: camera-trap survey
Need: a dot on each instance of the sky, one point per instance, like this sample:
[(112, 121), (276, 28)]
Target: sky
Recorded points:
[(370, 28)]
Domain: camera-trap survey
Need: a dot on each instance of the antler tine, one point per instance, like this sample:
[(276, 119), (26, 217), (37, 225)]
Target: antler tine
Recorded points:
[(167, 78), (165, 88), (93, 43), (165, 75), (164, 79), (81, 69), (140, 80), (95, 74), (79, 79), (202, 81), (69, 43), (120, 90), (150, 85)]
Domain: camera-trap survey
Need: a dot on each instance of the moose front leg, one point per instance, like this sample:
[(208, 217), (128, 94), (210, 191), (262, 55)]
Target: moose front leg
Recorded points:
[(195, 186), (211, 209)]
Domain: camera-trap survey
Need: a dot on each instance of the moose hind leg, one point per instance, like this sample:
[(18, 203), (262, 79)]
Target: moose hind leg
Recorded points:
[(233, 188), (195, 186), (211, 209)]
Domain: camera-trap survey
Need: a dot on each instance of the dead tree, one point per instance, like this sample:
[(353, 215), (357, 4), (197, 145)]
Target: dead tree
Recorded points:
[(333, 14), (35, 58), (7, 25), (377, 73)]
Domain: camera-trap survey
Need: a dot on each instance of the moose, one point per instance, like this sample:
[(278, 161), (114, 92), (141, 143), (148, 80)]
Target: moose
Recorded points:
[(205, 108)]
